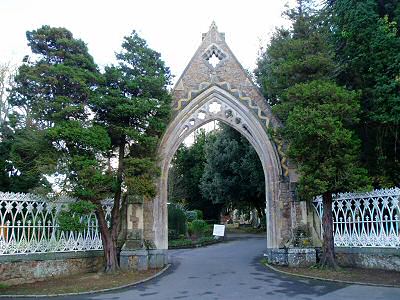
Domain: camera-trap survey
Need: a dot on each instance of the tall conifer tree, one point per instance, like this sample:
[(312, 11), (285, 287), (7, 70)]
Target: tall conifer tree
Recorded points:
[(297, 73)]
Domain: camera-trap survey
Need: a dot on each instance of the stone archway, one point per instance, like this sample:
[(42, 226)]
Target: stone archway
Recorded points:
[(215, 103), (214, 86)]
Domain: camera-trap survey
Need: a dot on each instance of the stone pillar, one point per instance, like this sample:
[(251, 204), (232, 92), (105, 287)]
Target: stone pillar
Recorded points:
[(133, 255), (134, 226)]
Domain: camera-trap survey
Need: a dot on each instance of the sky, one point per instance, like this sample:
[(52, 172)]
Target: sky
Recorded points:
[(171, 27)]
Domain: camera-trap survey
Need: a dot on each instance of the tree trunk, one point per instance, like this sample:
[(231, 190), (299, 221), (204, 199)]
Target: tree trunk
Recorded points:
[(109, 236), (328, 258), (109, 240)]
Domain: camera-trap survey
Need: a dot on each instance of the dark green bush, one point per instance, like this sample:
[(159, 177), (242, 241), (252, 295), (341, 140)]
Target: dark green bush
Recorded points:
[(199, 214), (209, 230), (176, 220), (180, 243), (172, 234), (198, 228), (192, 215)]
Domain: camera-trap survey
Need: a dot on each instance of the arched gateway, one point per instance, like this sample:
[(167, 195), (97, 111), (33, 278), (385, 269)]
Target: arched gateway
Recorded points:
[(214, 86)]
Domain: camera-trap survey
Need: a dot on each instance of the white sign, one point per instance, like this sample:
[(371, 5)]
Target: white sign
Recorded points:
[(219, 230)]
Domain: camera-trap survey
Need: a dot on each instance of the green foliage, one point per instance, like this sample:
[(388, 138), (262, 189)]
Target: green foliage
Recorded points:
[(75, 121), (51, 123), (194, 215), (180, 243), (149, 244), (319, 115), (75, 219), (302, 237), (25, 157), (177, 223), (233, 175), (198, 228), (365, 36), (295, 55), (209, 230), (187, 243), (134, 108), (185, 175)]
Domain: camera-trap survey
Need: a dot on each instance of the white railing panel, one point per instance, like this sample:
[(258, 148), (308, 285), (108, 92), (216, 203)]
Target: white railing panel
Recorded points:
[(28, 224), (365, 219)]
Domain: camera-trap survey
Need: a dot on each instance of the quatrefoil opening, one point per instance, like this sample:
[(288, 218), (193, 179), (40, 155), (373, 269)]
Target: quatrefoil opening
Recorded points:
[(214, 55)]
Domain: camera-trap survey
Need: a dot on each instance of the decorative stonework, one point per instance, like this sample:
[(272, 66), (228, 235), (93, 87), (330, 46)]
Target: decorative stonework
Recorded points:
[(249, 103), (214, 109), (213, 51), (224, 92)]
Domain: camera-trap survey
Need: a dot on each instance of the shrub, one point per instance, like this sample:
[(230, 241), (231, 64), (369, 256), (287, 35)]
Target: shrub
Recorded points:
[(176, 220), (172, 234), (206, 240), (179, 243), (198, 228), (209, 230), (192, 215), (199, 214)]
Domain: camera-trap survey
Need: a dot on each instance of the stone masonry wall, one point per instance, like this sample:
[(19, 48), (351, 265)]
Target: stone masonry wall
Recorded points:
[(18, 269), (370, 258)]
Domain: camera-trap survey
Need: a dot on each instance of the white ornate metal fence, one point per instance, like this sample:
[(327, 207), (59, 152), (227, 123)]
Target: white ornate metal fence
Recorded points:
[(28, 224), (365, 219)]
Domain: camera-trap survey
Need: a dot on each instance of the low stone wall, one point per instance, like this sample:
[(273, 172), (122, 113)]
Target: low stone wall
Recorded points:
[(17, 269), (143, 259), (371, 258), (292, 257)]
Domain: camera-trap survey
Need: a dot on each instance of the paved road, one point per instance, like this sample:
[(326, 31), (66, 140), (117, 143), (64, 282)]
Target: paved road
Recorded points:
[(233, 271)]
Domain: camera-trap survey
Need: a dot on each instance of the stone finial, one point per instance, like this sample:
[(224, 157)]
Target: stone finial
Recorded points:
[(216, 34)]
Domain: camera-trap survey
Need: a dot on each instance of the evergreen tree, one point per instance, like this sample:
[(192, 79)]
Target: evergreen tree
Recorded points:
[(80, 121), (287, 60), (49, 97), (317, 113), (185, 177), (233, 176), (367, 42), (133, 108)]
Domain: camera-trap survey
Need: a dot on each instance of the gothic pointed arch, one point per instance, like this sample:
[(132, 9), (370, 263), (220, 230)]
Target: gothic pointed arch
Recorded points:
[(214, 86)]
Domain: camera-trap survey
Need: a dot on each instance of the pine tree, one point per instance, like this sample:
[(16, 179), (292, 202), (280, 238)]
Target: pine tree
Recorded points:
[(133, 107), (80, 120)]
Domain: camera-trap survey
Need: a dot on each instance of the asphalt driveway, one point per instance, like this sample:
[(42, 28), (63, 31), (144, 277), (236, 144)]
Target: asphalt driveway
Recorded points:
[(232, 270)]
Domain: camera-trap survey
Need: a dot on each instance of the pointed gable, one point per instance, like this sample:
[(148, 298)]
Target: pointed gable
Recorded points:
[(215, 64)]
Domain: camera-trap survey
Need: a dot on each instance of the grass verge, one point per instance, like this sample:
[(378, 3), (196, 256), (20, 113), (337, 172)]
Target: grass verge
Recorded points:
[(79, 283), (187, 243), (347, 275)]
